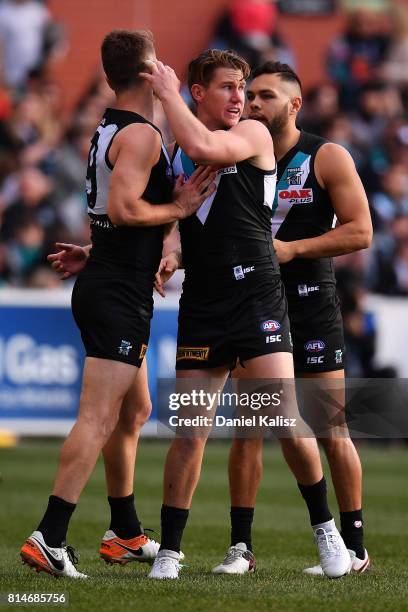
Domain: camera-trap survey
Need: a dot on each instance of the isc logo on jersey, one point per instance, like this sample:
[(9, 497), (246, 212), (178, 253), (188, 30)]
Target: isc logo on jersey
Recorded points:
[(295, 196)]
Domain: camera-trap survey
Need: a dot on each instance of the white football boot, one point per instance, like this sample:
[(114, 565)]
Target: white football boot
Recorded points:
[(335, 559), (238, 560), (358, 566), (166, 565), (55, 561)]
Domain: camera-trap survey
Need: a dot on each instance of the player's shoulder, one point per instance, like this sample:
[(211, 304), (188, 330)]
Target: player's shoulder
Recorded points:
[(331, 153), (252, 127), (138, 136)]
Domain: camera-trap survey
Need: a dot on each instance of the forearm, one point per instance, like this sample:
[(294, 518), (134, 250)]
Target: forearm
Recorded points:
[(190, 134), (344, 239), (145, 214)]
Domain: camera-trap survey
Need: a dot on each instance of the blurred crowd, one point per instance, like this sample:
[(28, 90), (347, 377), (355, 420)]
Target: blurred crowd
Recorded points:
[(361, 103)]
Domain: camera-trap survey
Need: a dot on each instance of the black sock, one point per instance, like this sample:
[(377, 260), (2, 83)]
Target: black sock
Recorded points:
[(315, 497), (241, 524), (173, 521), (124, 520), (54, 524), (352, 531)]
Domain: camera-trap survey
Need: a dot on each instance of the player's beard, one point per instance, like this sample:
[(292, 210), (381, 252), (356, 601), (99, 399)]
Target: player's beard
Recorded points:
[(279, 122)]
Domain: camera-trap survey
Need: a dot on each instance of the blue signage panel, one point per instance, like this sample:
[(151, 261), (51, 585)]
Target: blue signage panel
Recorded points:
[(41, 359)]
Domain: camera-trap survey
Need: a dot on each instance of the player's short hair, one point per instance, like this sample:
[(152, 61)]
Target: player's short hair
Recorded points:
[(123, 53), (202, 68), (284, 71)]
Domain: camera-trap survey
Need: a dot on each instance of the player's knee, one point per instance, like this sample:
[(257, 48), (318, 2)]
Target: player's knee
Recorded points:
[(100, 426), (247, 449), (190, 447), (333, 446), (132, 422)]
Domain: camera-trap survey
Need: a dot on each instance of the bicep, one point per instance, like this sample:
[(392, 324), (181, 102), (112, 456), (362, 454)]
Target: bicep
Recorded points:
[(132, 169), (345, 188)]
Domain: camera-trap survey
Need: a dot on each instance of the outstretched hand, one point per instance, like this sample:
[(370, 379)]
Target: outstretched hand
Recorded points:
[(167, 268), (69, 260)]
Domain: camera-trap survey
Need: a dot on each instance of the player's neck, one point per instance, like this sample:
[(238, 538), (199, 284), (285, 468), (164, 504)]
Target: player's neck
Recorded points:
[(208, 121), (284, 141), (139, 101)]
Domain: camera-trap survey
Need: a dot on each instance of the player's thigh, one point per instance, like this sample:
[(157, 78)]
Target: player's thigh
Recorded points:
[(104, 387)]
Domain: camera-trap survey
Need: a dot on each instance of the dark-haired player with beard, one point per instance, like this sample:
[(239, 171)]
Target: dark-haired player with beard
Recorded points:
[(316, 182), (129, 190)]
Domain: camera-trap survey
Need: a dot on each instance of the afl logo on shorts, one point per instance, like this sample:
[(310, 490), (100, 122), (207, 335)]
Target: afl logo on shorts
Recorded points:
[(270, 326), (314, 346)]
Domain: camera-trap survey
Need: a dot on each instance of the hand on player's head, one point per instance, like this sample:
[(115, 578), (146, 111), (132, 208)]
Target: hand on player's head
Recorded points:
[(162, 78)]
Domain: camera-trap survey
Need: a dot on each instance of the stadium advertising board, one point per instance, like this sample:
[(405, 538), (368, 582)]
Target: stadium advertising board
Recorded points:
[(41, 358)]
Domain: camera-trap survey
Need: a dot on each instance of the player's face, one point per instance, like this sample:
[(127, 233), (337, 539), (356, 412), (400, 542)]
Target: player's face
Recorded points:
[(268, 100), (224, 98)]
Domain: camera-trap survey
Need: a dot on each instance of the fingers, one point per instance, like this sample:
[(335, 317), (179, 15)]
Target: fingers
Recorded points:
[(180, 181), (146, 76), (210, 190), (53, 257), (64, 246), (199, 173)]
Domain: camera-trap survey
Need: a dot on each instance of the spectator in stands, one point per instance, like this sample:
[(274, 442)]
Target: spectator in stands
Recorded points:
[(392, 201), (27, 38), (321, 106), (394, 70), (359, 329), (354, 58), (249, 27)]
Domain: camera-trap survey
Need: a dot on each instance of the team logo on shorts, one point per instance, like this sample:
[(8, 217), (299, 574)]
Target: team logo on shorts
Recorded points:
[(338, 356), (200, 353), (124, 347), (314, 346), (270, 326), (143, 351)]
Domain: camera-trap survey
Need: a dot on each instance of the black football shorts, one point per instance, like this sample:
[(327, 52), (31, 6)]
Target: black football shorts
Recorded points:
[(240, 321), (317, 329), (113, 317)]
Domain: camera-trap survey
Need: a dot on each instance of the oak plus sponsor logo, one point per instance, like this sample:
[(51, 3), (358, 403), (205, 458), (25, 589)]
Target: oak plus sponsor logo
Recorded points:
[(295, 196), (227, 170)]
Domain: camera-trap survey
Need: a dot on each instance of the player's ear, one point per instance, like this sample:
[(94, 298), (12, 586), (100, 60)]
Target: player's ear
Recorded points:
[(197, 92), (296, 105)]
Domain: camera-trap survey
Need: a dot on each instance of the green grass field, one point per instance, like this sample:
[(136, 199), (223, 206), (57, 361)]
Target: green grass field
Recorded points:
[(282, 538)]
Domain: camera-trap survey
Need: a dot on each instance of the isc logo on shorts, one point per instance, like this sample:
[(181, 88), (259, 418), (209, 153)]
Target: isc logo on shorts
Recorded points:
[(275, 338), (200, 353)]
